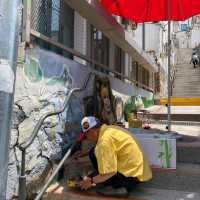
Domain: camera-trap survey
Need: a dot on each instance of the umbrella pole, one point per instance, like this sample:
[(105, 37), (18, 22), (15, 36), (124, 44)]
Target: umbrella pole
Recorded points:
[(169, 71), (169, 80)]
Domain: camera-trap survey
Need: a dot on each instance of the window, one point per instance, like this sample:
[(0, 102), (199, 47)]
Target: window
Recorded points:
[(143, 75), (119, 57), (54, 19), (157, 82), (134, 71), (140, 74), (99, 48)]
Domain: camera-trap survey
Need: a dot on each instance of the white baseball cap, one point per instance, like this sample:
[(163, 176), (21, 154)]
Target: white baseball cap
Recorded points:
[(88, 123)]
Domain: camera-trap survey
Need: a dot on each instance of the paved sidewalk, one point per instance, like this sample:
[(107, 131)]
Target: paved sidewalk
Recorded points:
[(141, 193), (160, 194)]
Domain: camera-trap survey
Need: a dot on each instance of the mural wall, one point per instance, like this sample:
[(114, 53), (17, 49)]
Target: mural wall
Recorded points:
[(42, 84)]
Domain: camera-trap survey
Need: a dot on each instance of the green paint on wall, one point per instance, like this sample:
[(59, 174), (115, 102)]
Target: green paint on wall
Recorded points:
[(33, 70), (166, 154)]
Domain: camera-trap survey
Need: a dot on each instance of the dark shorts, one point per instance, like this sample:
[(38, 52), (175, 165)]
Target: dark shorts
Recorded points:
[(118, 180)]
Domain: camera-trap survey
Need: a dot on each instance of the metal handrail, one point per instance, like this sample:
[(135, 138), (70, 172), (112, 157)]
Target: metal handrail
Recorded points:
[(39, 196), (26, 144)]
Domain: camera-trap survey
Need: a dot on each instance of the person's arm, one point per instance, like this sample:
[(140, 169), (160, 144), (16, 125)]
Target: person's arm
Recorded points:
[(88, 182), (107, 164), (102, 178)]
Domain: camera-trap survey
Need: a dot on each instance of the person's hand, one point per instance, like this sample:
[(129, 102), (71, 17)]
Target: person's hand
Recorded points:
[(86, 183)]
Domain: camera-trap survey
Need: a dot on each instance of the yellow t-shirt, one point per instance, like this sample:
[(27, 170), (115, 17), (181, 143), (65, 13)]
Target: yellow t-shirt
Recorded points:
[(118, 151)]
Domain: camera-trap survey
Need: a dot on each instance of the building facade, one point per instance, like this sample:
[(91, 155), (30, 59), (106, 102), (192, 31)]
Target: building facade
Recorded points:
[(62, 42), (118, 46)]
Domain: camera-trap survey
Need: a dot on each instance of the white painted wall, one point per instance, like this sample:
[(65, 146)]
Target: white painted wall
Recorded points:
[(184, 41), (138, 35), (152, 38)]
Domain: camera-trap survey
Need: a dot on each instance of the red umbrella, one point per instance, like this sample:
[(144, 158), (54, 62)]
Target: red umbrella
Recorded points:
[(153, 10)]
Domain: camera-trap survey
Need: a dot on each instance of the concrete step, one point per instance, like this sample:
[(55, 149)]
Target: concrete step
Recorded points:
[(187, 75), (180, 86), (182, 68), (192, 71), (176, 123), (184, 81), (186, 90), (182, 91), (186, 67), (189, 68), (185, 95), (183, 84), (192, 76), (176, 117), (191, 83), (190, 80), (183, 88)]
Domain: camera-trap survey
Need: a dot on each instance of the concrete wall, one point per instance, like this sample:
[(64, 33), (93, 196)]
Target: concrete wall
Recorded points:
[(152, 39), (138, 35)]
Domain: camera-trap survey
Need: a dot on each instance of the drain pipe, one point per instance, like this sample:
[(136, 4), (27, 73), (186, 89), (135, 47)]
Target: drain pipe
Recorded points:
[(9, 24)]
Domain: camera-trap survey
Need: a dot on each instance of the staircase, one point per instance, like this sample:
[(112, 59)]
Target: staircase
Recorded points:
[(187, 78)]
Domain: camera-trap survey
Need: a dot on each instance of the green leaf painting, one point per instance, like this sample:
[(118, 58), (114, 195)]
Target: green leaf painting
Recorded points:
[(33, 70), (166, 153)]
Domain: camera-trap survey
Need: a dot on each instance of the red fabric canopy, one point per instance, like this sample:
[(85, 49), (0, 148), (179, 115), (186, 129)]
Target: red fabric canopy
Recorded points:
[(153, 10)]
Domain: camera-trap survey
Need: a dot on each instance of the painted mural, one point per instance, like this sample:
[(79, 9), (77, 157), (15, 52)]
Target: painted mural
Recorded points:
[(102, 103), (42, 84)]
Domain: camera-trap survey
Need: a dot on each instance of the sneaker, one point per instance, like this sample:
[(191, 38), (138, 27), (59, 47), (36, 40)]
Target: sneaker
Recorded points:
[(113, 192)]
